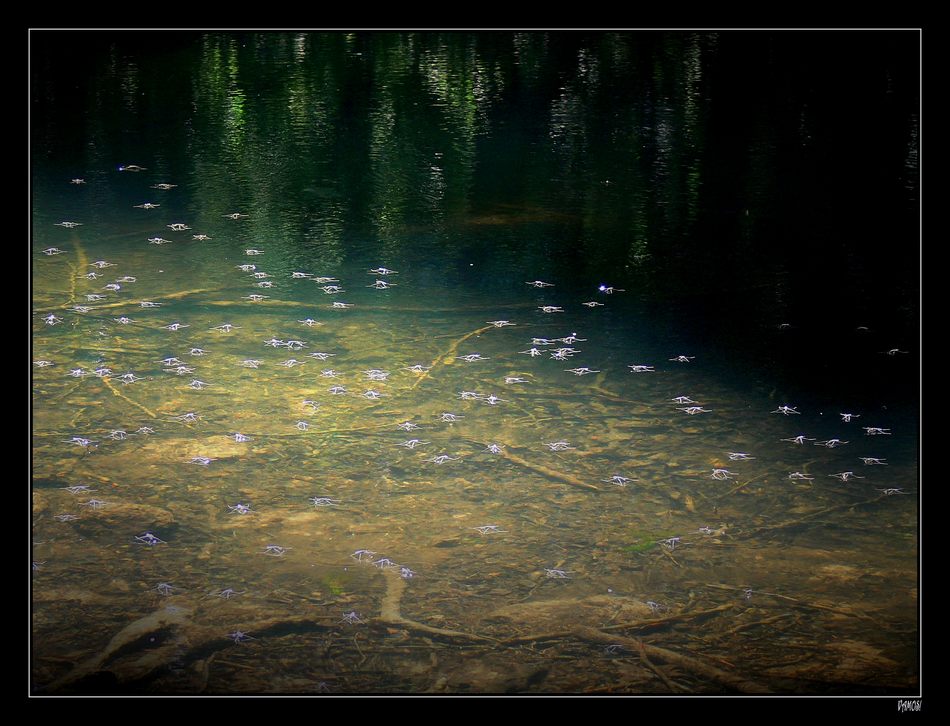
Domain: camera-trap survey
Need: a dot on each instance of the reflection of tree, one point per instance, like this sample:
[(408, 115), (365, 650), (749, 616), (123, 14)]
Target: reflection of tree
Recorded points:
[(379, 126), (430, 99), (626, 131), (654, 148)]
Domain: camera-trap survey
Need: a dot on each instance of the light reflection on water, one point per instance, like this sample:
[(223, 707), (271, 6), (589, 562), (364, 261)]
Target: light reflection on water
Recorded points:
[(677, 534)]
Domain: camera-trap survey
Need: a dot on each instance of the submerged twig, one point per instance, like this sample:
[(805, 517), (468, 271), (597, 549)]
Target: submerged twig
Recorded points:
[(448, 354), (165, 296), (805, 518), (687, 663), (82, 262), (799, 603), (738, 487), (767, 621), (105, 379), (548, 472), (692, 664), (670, 620)]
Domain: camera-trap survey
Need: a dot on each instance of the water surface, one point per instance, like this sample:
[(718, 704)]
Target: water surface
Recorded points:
[(744, 227)]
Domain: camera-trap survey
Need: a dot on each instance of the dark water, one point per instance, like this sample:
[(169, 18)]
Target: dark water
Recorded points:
[(752, 200)]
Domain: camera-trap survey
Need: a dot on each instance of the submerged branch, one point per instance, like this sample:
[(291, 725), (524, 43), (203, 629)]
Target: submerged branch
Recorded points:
[(389, 613), (674, 687)]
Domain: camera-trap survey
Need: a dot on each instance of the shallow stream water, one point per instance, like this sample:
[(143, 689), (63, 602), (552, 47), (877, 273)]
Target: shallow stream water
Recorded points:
[(681, 449)]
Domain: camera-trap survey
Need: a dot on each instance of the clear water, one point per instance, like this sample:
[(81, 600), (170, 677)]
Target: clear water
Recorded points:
[(472, 165)]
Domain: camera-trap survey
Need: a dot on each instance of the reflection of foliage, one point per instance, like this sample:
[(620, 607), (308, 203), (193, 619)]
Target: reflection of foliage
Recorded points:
[(630, 135)]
